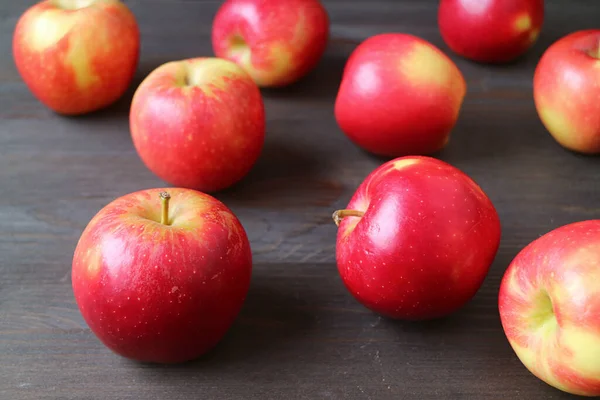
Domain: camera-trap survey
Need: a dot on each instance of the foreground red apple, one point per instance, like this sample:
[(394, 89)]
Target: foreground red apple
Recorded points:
[(567, 93), (490, 31), (399, 96), (276, 42), (77, 56), (417, 239), (162, 281), (549, 303), (198, 123)]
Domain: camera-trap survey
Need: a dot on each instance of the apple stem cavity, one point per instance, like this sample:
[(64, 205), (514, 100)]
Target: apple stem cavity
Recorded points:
[(164, 215), (72, 4), (338, 215)]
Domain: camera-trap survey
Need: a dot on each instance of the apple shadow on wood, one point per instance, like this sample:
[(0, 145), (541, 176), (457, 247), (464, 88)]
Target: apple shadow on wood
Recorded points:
[(272, 321), (323, 81), (285, 176), (120, 108)]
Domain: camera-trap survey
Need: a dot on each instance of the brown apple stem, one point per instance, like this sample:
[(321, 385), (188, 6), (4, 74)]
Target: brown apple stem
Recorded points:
[(341, 214), (164, 215)]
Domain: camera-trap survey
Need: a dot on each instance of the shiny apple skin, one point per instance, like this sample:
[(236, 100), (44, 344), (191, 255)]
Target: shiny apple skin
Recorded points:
[(490, 31), (77, 61), (277, 42), (198, 123), (566, 91), (400, 95), (157, 293), (425, 243), (549, 305)]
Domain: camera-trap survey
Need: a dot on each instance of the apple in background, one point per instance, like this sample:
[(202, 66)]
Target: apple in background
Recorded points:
[(417, 239), (549, 304), (276, 42), (567, 92), (159, 282), (198, 123), (399, 96), (490, 31), (77, 56)]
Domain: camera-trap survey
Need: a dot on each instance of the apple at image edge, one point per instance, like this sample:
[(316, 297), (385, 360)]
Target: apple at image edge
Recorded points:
[(161, 278), (417, 239), (490, 31), (549, 304), (566, 91), (77, 57), (276, 42)]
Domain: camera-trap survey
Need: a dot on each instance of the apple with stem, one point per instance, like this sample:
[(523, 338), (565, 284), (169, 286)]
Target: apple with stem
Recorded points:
[(160, 275), (400, 95), (417, 239), (77, 56), (276, 42), (490, 31), (549, 304), (567, 93), (198, 123)]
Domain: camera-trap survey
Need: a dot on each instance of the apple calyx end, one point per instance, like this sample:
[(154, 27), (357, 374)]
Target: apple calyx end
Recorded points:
[(164, 215), (338, 215)]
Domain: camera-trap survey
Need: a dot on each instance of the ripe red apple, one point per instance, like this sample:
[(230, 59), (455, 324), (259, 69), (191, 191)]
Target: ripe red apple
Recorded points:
[(549, 303), (77, 56), (399, 96), (276, 42), (198, 123), (567, 93), (490, 31), (417, 239), (160, 282)]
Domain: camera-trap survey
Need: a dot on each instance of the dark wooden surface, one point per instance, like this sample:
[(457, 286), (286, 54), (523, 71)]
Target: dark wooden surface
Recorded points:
[(300, 335)]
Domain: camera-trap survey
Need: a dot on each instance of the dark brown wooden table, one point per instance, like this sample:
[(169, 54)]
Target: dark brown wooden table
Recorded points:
[(300, 335)]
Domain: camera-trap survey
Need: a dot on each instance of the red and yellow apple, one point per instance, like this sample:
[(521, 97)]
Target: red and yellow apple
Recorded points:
[(160, 275), (567, 92), (198, 123), (400, 95), (276, 42), (417, 239), (77, 56), (549, 304), (490, 31)]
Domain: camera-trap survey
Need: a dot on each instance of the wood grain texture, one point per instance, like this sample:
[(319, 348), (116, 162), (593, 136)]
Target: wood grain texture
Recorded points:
[(300, 335)]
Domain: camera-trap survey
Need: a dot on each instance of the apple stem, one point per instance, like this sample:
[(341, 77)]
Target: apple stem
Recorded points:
[(341, 214), (164, 216)]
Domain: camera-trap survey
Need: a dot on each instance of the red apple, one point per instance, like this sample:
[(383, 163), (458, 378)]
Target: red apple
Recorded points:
[(399, 96), (490, 31), (567, 92), (417, 239), (198, 123), (77, 56), (160, 282), (549, 303), (276, 42)]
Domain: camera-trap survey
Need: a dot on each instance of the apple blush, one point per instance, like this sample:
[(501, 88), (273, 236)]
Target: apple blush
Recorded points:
[(198, 123), (399, 96), (566, 91), (277, 42), (160, 275), (77, 56), (490, 31), (417, 239), (549, 304)]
